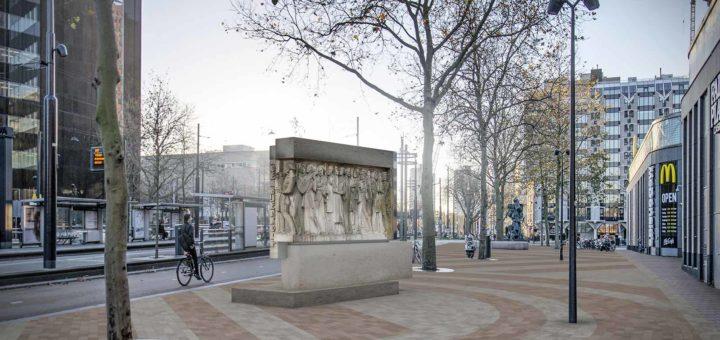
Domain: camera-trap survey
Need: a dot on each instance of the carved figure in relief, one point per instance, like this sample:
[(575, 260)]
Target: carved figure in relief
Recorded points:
[(338, 184), (388, 212), (307, 187), (378, 204), (288, 203), (365, 206), (353, 201), (321, 195)]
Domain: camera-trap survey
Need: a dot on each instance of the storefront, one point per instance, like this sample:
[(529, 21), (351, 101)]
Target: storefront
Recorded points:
[(653, 213), (701, 162)]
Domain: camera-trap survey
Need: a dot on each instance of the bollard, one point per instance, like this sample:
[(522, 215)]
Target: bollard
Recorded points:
[(487, 247)]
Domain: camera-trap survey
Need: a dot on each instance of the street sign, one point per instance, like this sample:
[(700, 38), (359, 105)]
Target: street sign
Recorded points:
[(97, 159)]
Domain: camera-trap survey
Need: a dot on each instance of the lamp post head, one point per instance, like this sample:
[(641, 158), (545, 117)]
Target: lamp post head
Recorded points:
[(554, 6), (592, 4), (62, 50)]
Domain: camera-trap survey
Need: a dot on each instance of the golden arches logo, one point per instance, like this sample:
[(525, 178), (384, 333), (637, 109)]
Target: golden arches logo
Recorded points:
[(668, 174)]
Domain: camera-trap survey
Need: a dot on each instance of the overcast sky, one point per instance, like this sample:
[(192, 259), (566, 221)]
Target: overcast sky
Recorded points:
[(240, 99)]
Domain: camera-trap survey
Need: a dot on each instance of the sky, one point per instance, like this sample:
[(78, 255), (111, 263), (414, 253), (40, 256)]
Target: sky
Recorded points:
[(240, 98)]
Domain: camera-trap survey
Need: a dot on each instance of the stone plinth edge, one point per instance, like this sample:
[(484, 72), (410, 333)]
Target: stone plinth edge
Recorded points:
[(314, 150), (510, 245), (274, 295)]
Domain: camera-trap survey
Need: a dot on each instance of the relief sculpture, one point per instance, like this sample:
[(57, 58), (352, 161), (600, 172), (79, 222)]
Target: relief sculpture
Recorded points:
[(322, 201)]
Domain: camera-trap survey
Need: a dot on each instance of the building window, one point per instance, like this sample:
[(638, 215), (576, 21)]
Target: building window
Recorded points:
[(646, 115)]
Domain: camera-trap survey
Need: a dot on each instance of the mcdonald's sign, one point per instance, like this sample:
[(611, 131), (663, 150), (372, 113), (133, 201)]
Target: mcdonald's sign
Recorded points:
[(668, 174)]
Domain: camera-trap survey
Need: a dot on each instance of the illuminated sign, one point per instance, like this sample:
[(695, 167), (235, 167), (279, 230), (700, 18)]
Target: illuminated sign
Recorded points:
[(668, 205), (668, 174), (97, 158)]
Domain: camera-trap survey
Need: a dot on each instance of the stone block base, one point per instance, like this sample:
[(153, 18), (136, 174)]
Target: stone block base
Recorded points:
[(275, 295), (330, 265), (510, 245)]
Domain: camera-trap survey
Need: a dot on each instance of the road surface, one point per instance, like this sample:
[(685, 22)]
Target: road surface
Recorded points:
[(33, 301)]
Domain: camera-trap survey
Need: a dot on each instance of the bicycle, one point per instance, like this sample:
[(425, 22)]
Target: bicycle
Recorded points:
[(416, 257), (186, 270)]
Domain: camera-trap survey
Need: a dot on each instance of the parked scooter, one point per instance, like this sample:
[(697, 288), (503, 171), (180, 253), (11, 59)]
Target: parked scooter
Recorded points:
[(470, 246)]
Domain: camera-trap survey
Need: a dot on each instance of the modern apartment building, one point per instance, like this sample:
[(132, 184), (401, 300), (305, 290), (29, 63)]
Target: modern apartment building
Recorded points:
[(22, 30), (629, 108)]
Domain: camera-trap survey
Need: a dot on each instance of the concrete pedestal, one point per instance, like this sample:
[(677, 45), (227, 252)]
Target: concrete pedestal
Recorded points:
[(323, 273), (510, 245)]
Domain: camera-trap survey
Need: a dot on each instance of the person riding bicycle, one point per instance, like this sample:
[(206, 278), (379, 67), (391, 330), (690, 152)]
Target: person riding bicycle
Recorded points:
[(187, 242)]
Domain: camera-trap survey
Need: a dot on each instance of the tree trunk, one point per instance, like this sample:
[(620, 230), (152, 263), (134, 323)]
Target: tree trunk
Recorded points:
[(482, 234), (499, 209), (117, 297), (543, 227), (428, 220)]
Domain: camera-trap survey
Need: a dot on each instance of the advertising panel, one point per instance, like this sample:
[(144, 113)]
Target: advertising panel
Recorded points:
[(31, 225), (668, 204)]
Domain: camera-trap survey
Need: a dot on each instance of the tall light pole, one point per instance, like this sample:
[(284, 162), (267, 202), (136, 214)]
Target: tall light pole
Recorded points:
[(197, 183), (49, 139), (554, 8)]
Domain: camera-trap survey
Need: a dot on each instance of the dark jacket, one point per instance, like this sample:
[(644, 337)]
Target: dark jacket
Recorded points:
[(187, 237)]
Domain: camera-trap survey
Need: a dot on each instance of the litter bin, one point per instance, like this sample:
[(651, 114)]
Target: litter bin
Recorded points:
[(487, 247), (178, 248)]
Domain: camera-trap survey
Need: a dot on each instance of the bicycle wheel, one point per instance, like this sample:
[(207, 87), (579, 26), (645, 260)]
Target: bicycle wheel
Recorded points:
[(207, 268), (184, 271)]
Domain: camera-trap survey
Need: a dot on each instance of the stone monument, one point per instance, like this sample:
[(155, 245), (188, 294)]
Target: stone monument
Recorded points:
[(332, 215), (515, 212), (513, 237)]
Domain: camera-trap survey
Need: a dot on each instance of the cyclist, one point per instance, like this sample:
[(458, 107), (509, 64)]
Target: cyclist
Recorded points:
[(187, 242)]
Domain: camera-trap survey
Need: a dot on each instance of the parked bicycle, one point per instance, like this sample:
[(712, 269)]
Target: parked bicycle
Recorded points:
[(186, 270)]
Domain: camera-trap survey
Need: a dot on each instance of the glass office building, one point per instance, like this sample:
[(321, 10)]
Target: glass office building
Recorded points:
[(21, 81), (654, 191), (20, 87)]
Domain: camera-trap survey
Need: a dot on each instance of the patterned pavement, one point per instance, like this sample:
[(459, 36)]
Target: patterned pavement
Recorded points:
[(518, 294)]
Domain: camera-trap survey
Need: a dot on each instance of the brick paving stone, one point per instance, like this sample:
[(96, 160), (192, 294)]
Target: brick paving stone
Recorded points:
[(517, 294), (703, 299)]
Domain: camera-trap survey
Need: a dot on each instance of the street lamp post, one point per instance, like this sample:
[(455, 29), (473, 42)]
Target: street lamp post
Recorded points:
[(560, 205), (49, 143), (554, 8)]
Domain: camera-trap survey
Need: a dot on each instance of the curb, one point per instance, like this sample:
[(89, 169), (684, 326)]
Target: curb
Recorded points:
[(98, 270)]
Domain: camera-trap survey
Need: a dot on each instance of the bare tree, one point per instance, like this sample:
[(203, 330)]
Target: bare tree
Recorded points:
[(425, 42), (467, 195), (550, 129), (163, 120), (117, 297)]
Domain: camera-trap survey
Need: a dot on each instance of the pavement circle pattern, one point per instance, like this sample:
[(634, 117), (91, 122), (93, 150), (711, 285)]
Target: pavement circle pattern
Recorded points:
[(523, 294)]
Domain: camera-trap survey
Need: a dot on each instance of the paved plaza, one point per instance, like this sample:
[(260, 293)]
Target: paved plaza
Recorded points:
[(518, 294)]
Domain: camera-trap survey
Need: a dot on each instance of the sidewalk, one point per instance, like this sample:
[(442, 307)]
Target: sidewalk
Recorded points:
[(518, 294)]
